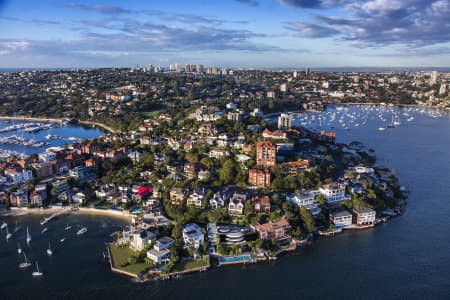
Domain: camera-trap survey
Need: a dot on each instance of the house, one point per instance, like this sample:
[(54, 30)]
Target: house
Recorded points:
[(334, 193), (188, 145), (79, 198), (82, 174), (295, 167), (159, 256), (235, 116), (261, 204), (323, 136), (303, 198), (365, 216), (276, 135), (218, 200), (218, 153), (177, 195), (266, 153), (142, 193), (135, 156), (164, 243), (196, 198), (191, 169), (91, 163), (140, 238), (39, 195), (17, 175), (341, 218), (43, 170), (47, 156), (157, 192), (277, 230), (75, 159), (192, 236), (61, 190), (207, 129), (204, 175), (19, 198), (237, 204), (259, 178)]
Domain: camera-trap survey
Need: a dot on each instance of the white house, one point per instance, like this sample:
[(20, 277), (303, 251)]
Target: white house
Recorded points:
[(196, 198), (341, 219), (159, 256), (306, 199), (139, 239), (79, 198), (17, 176), (365, 216), (334, 193), (303, 198), (237, 204), (218, 153), (192, 236)]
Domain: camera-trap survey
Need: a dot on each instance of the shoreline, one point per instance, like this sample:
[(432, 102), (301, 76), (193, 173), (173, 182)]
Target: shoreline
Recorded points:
[(55, 120), (17, 212)]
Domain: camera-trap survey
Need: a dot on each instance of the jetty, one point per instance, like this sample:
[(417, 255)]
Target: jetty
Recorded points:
[(54, 215)]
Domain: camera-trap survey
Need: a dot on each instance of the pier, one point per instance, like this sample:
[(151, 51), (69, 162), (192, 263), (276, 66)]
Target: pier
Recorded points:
[(54, 215)]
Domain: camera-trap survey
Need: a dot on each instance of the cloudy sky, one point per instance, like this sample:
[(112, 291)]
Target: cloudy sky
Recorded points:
[(231, 33)]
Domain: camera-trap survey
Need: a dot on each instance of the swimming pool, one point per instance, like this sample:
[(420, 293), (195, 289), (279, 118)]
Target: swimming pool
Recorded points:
[(234, 259)]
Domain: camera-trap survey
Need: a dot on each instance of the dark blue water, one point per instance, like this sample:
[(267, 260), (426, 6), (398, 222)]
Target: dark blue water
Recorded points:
[(406, 258), (77, 131)]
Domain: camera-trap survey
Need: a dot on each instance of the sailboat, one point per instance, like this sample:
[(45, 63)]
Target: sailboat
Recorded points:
[(17, 228), (392, 125), (25, 264), (67, 226), (28, 237), (8, 235), (49, 250), (19, 250), (37, 273), (396, 120)]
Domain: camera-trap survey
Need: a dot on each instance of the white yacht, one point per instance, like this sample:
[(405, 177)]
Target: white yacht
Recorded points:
[(83, 230)]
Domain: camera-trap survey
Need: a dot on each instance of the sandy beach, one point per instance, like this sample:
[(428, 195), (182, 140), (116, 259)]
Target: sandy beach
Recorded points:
[(15, 212)]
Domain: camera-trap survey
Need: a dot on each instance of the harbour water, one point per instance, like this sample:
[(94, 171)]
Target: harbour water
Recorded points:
[(406, 258), (73, 132)]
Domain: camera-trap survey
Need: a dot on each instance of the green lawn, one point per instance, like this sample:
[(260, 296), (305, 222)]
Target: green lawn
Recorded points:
[(120, 256), (151, 114), (190, 264)]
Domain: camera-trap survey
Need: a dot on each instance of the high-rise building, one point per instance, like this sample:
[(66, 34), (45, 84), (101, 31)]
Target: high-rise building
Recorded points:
[(284, 122), (199, 69), (434, 77), (307, 71), (443, 89), (295, 74), (266, 154), (283, 87)]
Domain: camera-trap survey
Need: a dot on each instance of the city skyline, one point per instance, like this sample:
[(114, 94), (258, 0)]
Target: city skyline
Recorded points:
[(233, 33)]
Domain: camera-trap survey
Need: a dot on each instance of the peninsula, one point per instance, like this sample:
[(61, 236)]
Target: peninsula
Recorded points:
[(206, 177)]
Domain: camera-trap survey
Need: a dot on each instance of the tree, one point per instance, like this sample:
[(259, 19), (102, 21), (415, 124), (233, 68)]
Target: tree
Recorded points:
[(228, 172), (307, 219), (320, 199)]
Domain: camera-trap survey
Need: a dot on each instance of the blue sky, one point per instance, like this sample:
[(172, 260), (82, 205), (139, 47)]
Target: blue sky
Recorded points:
[(229, 33)]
